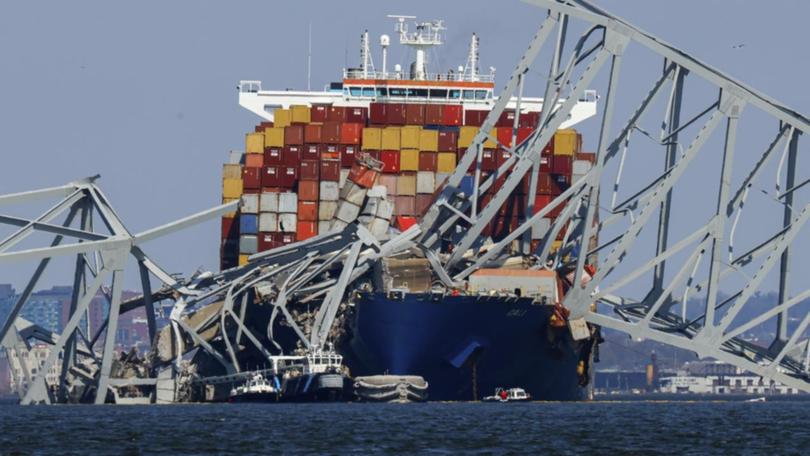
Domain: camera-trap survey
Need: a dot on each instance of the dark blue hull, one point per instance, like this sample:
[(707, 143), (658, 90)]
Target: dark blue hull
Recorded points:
[(466, 346)]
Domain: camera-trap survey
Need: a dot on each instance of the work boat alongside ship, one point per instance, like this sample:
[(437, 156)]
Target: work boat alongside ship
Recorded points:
[(374, 150)]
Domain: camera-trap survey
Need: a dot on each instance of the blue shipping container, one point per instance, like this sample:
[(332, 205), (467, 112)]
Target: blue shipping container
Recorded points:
[(248, 224)]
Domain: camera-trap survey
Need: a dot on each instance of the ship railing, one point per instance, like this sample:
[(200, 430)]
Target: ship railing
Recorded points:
[(353, 73), (589, 96), (250, 86)]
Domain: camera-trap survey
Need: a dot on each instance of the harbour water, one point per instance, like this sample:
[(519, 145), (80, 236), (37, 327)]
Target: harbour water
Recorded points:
[(441, 428)]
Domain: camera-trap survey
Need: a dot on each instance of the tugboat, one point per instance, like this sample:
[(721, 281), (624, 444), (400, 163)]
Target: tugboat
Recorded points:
[(321, 378), (256, 389), (509, 395)]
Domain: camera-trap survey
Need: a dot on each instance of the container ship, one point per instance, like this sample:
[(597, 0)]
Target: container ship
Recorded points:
[(409, 128)]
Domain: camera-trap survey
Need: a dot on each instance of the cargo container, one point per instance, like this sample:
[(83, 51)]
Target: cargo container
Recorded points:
[(309, 170), (446, 162), (336, 114), (294, 134), (249, 204), (372, 138), (395, 114), (232, 188), (406, 184), (300, 114), (305, 230), (308, 190), (268, 221), (288, 176), (231, 171), (272, 156), (329, 191), (330, 132), (312, 134), (291, 155), (409, 137), (390, 139), (425, 182), (404, 205), (248, 223), (390, 160), (254, 143), (409, 160), (567, 142), (447, 141), (251, 178), (330, 170), (434, 114), (307, 211), (282, 118), (414, 114), (311, 152), (254, 160), (389, 181), (429, 141), (350, 133), (268, 202), (326, 210), (428, 161), (287, 222)]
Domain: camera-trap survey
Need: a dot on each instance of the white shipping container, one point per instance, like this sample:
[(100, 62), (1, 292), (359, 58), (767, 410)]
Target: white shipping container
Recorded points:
[(323, 226), (440, 179), (353, 193), (248, 244), (378, 227), (269, 202), (250, 203), (576, 177), (531, 283), (235, 157), (268, 222), (287, 223), (378, 191), (326, 210), (288, 203), (347, 211), (370, 208), (330, 191), (541, 228), (385, 209), (337, 225), (344, 176), (365, 219), (581, 167), (425, 182)]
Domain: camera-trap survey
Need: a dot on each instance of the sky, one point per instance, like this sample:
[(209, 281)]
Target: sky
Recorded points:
[(144, 93)]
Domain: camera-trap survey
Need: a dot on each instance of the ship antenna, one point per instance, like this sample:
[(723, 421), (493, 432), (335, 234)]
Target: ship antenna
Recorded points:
[(365, 55), (309, 59), (472, 59)]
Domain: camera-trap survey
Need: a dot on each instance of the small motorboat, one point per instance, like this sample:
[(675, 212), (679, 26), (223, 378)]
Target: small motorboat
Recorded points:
[(256, 389), (509, 395), (757, 399)]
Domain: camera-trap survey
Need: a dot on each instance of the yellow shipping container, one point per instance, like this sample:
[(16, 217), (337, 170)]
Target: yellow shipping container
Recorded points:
[(254, 143), (372, 138), (409, 160), (274, 137), (466, 135), (410, 137), (429, 141), (390, 138), (566, 142), (232, 188), (300, 114), (446, 162), (231, 171), (228, 200), (491, 142), (243, 260), (282, 118)]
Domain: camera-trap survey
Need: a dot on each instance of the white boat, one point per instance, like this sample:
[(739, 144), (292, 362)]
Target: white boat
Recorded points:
[(256, 389), (509, 395)]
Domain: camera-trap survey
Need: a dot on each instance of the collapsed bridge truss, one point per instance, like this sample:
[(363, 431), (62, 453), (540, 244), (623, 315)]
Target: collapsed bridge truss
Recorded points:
[(686, 280)]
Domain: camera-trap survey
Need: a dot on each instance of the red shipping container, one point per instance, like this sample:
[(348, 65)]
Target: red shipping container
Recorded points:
[(258, 129), (434, 114), (330, 152), (589, 156), (283, 238), (230, 227), (308, 190), (395, 114), (272, 156), (294, 134), (504, 136), (423, 204), (404, 205), (330, 170), (312, 134), (415, 114), (357, 115), (348, 155), (475, 118), (529, 120), (305, 230), (318, 113), (288, 176), (545, 185), (549, 148), (330, 133), (363, 175), (336, 114), (502, 156), (390, 159), (377, 114), (448, 141), (270, 176), (311, 152), (267, 241), (488, 160), (252, 177), (375, 154), (254, 160), (350, 133), (404, 222), (307, 211), (545, 163), (291, 156), (310, 170), (507, 118), (523, 133), (267, 124), (428, 161), (562, 164), (452, 115), (542, 201)]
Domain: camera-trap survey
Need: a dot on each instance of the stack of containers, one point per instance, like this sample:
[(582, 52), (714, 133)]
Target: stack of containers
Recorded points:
[(296, 178)]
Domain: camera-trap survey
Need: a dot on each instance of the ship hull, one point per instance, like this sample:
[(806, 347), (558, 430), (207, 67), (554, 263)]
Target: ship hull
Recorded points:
[(466, 346)]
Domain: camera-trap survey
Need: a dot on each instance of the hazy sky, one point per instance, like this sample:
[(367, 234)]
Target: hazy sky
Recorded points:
[(144, 93)]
